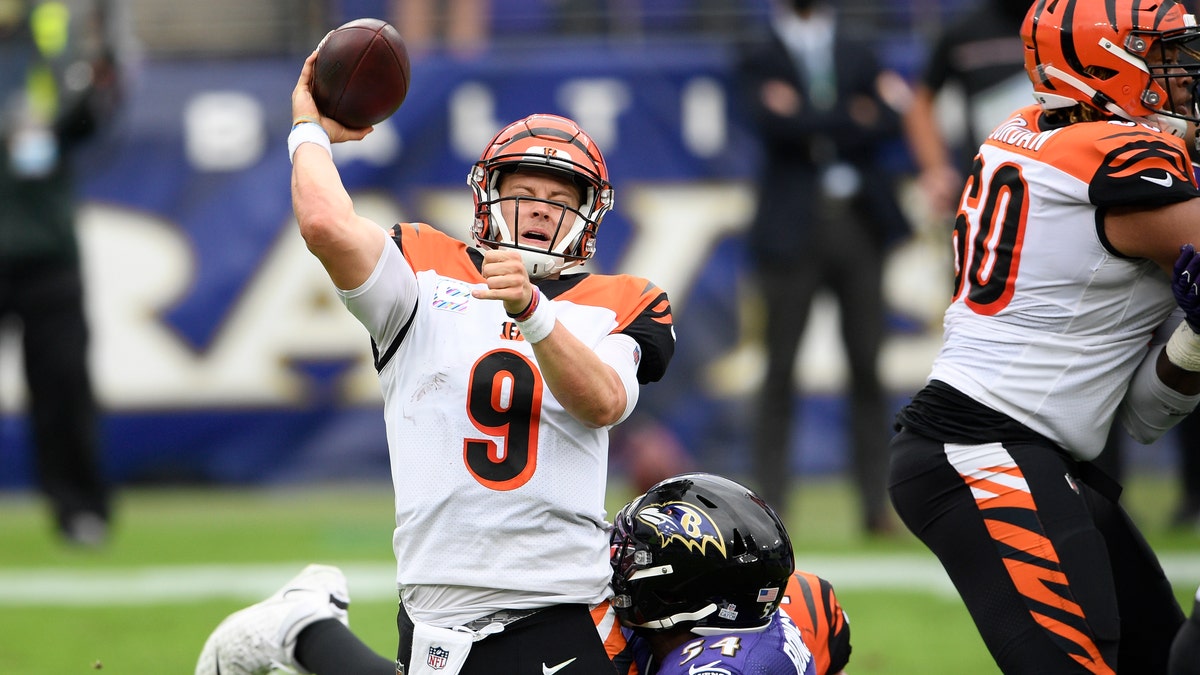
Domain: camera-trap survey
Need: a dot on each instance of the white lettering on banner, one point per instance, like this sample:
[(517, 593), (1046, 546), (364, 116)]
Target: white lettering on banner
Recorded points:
[(381, 147), (224, 131), (138, 267), (472, 117), (704, 126), (596, 105), (676, 228)]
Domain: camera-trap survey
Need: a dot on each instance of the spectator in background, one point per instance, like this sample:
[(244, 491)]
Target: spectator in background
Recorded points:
[(979, 57), (58, 86), (822, 107), (458, 26)]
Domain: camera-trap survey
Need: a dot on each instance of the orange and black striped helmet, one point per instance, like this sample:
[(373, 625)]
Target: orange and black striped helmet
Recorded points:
[(554, 144), (1135, 59)]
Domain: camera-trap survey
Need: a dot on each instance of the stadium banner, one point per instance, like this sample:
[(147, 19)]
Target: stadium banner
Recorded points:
[(221, 353)]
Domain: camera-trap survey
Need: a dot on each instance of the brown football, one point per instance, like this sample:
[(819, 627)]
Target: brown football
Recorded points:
[(361, 74)]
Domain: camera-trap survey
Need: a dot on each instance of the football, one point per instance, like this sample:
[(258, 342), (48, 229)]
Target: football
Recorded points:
[(361, 74)]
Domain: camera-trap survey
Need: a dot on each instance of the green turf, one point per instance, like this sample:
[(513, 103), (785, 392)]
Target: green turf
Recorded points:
[(895, 631)]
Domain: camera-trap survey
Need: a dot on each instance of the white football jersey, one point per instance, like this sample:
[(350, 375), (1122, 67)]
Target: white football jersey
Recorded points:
[(1047, 323), (499, 490)]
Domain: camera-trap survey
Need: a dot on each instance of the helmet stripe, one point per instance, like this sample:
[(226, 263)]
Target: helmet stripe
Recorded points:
[(1164, 8), (1066, 37), (573, 139)]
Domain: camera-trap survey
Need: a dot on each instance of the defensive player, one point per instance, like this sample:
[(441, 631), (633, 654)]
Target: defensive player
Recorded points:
[(501, 376), (1068, 245), (700, 567), (717, 536)]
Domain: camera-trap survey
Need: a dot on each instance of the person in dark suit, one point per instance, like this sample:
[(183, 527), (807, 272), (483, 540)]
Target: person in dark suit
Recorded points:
[(822, 107), (60, 85)]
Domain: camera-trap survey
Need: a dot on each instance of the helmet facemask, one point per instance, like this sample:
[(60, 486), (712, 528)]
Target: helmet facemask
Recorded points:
[(1173, 62), (574, 231), (556, 146)]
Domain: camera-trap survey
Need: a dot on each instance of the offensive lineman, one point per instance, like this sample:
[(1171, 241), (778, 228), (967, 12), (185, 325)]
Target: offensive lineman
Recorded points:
[(1073, 247)]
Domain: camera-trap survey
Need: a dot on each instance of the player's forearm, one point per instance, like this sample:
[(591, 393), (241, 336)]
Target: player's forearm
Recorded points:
[(319, 200), (586, 386)]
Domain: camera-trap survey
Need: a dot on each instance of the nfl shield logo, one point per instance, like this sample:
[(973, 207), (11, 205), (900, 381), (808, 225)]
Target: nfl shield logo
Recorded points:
[(437, 658)]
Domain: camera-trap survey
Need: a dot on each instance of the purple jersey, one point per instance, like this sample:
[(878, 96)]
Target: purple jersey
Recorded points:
[(776, 650)]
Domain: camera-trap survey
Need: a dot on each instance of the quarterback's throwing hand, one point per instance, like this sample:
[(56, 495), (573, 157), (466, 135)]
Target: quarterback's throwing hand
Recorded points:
[(1185, 284)]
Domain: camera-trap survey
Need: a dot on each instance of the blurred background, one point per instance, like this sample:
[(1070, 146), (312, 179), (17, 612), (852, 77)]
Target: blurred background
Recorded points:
[(220, 354)]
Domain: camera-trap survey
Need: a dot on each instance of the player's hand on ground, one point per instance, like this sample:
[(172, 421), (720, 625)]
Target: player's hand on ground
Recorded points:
[(1186, 284), (507, 280), (304, 108)]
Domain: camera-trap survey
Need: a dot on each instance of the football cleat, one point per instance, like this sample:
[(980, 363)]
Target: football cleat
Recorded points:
[(261, 638)]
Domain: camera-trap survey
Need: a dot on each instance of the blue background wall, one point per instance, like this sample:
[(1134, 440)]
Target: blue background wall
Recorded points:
[(220, 353)]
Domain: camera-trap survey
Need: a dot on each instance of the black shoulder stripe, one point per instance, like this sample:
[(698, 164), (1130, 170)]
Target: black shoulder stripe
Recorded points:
[(382, 360)]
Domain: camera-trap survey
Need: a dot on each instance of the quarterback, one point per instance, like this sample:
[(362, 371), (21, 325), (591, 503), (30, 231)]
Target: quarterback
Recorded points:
[(501, 376)]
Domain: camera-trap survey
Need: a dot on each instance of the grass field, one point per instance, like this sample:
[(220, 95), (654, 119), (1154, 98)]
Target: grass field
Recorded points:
[(181, 559)]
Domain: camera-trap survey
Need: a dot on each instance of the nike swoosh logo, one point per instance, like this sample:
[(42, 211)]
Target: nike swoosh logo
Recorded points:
[(547, 670), (1165, 181)]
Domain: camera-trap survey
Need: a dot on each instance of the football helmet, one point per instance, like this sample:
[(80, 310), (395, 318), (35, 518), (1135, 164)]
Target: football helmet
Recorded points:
[(547, 143), (701, 552), (1135, 59)]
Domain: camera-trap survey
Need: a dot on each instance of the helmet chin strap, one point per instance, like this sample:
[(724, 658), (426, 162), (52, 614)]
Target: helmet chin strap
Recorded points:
[(541, 265), (1172, 125)]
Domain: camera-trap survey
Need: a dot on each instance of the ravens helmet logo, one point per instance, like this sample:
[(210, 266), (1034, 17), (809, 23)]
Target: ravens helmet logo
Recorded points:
[(684, 523)]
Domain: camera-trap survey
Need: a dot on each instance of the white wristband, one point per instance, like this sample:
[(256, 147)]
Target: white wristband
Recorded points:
[(307, 132), (1183, 349), (540, 322)]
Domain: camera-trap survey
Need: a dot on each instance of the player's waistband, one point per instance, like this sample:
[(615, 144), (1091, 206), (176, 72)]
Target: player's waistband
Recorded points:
[(502, 617)]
